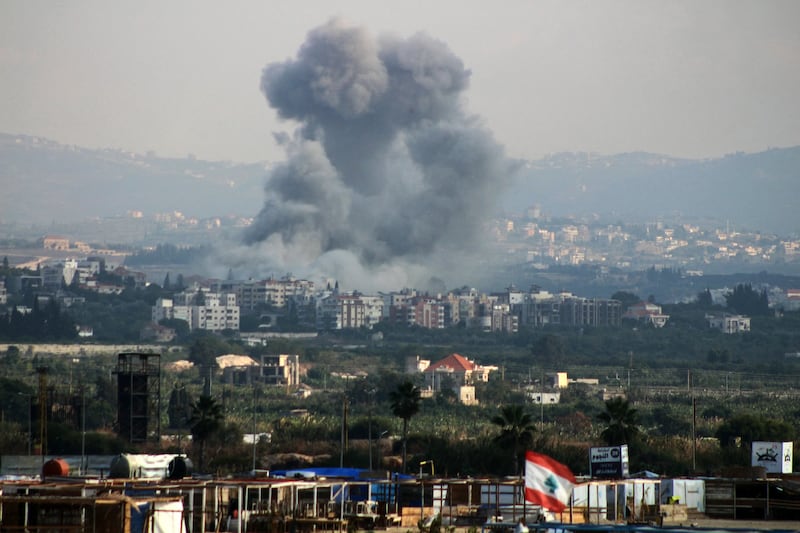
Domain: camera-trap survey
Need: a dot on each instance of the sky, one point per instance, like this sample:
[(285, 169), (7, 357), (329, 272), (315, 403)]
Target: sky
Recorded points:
[(687, 78)]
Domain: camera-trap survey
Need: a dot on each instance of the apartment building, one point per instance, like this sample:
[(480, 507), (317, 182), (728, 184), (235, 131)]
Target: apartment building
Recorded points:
[(424, 311), (201, 309), (500, 318), (252, 294), (339, 311), (540, 308)]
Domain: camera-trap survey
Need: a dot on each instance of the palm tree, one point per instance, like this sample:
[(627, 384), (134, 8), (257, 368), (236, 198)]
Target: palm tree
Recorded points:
[(205, 421), (622, 422), (516, 430), (405, 404)]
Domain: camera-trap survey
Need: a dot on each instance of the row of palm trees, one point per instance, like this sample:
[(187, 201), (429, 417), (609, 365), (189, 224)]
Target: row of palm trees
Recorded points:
[(516, 425)]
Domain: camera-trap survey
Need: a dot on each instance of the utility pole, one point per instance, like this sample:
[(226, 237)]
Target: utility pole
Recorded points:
[(369, 430), (541, 406), (344, 431), (694, 433), (630, 367), (30, 433), (255, 435), (694, 420), (28, 397), (42, 371), (84, 466)]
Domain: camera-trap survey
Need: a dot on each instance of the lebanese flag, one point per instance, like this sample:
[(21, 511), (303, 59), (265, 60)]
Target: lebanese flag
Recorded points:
[(547, 482)]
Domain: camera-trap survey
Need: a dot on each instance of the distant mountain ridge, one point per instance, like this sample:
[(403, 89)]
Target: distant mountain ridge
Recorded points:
[(44, 181), (758, 191)]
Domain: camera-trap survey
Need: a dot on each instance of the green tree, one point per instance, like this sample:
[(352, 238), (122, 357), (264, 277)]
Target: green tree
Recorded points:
[(516, 430), (622, 422), (180, 326), (179, 410), (405, 400), (200, 298), (718, 355), (206, 348), (549, 348), (746, 300), (746, 428), (626, 299), (205, 421), (704, 299), (12, 355)]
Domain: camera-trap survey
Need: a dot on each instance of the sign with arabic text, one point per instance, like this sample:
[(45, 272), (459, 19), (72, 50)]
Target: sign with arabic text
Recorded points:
[(776, 457), (609, 462)]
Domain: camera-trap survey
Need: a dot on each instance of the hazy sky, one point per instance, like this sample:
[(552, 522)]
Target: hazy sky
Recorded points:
[(687, 78)]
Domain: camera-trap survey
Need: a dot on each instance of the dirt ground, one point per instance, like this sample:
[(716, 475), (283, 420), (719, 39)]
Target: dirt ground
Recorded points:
[(700, 524), (762, 525)]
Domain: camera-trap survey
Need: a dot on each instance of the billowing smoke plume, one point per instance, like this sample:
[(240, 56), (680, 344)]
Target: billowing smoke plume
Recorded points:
[(386, 176)]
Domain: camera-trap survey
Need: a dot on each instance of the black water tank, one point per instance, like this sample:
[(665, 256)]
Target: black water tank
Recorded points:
[(179, 467)]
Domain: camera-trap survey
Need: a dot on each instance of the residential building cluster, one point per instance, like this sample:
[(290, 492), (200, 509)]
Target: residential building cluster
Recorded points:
[(200, 308), (535, 238), (538, 241), (217, 306)]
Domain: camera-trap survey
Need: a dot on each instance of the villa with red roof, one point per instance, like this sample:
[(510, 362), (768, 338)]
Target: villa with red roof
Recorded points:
[(459, 373), (648, 313)]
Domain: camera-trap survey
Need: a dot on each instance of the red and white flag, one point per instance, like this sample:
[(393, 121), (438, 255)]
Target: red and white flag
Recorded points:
[(547, 482)]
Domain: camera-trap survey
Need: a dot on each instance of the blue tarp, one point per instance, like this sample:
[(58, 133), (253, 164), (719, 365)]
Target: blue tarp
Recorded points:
[(355, 474), (644, 474)]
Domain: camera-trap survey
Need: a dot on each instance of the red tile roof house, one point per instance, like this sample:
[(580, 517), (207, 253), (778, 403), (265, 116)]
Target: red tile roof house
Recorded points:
[(459, 373)]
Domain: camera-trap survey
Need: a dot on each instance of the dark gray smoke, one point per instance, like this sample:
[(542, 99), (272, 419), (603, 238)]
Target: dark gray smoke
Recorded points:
[(386, 172)]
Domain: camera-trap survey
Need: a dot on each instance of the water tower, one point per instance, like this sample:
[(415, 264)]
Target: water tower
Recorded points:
[(139, 396)]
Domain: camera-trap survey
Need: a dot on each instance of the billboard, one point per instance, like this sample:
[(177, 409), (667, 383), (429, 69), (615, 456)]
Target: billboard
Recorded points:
[(609, 462), (775, 457)]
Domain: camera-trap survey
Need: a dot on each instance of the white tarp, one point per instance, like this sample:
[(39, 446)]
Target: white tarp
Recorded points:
[(168, 517)]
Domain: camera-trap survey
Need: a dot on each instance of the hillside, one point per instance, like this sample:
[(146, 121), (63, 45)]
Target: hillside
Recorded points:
[(753, 191), (45, 181)]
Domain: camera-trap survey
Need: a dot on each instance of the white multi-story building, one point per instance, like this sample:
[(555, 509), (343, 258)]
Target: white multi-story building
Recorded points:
[(373, 310), (502, 319), (273, 292), (541, 308), (341, 311), (219, 312), (53, 275), (212, 311)]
